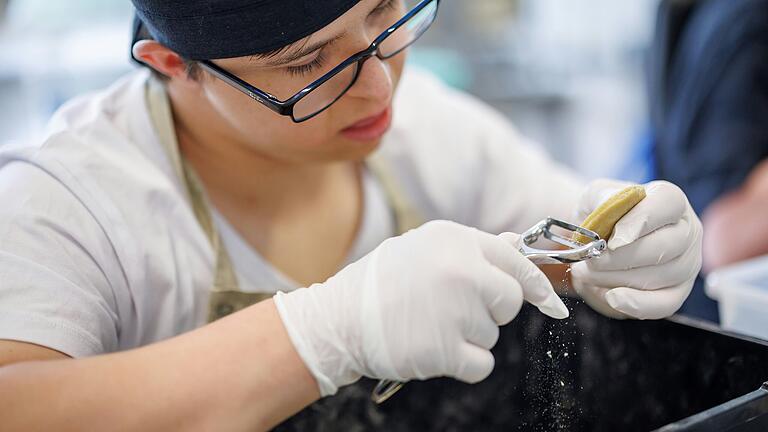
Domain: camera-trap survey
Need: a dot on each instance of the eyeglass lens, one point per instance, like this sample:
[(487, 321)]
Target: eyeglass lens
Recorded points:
[(330, 91)]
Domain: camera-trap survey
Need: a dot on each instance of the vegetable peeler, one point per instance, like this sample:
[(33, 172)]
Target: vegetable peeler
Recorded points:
[(574, 252)]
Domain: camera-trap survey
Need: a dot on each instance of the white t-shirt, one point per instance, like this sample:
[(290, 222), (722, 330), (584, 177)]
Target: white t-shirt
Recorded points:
[(100, 251), (255, 274)]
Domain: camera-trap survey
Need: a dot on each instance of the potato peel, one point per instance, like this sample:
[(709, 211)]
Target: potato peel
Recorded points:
[(604, 218)]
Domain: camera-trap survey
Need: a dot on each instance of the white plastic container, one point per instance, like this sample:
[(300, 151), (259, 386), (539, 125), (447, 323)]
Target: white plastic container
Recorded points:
[(742, 293)]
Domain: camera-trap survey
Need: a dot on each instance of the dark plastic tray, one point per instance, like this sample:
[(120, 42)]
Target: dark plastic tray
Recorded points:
[(616, 376), (748, 413)]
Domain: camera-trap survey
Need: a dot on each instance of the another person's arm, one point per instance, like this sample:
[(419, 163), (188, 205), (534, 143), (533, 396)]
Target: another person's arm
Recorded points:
[(734, 225)]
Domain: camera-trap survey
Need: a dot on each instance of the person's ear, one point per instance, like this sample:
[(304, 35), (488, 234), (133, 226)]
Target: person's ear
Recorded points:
[(160, 58)]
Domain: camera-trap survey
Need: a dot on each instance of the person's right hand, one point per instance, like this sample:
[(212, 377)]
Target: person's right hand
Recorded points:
[(422, 305)]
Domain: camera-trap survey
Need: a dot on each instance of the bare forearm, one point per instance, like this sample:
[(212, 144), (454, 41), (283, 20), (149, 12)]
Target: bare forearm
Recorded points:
[(734, 230), (240, 373), (734, 226)]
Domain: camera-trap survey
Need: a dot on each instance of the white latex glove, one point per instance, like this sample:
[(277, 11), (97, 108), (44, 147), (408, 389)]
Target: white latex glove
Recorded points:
[(422, 305), (652, 259)]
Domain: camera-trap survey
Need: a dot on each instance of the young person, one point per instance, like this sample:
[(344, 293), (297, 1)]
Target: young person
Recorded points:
[(163, 204)]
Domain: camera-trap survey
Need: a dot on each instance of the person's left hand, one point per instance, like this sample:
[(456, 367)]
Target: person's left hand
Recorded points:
[(653, 255)]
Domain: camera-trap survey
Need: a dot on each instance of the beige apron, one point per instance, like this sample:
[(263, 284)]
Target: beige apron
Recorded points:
[(226, 296)]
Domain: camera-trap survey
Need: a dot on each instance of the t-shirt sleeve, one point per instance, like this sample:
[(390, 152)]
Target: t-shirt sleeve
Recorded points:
[(459, 159), (54, 265), (518, 183)]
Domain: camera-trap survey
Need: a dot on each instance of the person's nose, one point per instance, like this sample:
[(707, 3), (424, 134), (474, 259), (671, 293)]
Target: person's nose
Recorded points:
[(375, 81)]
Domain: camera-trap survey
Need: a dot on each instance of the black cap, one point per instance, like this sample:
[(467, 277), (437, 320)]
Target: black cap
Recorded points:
[(211, 29)]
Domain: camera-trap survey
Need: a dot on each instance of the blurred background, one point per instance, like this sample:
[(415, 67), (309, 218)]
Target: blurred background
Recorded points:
[(569, 73), (636, 90)]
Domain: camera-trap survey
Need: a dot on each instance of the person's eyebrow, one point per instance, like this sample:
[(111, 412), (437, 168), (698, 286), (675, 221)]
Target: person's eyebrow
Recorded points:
[(302, 52), (279, 58)]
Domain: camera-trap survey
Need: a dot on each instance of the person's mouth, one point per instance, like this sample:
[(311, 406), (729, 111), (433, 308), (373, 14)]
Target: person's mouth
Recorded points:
[(370, 128)]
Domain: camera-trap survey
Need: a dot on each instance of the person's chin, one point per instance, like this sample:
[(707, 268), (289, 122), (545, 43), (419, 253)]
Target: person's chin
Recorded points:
[(356, 150)]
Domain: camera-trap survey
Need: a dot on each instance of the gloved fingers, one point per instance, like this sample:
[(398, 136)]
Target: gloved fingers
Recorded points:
[(648, 278), (594, 296), (649, 304), (483, 332), (597, 193), (502, 295), (625, 302), (664, 204), (658, 247), (475, 363), (502, 251)]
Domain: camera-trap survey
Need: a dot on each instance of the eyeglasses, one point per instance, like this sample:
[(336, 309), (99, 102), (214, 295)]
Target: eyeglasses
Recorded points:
[(325, 91)]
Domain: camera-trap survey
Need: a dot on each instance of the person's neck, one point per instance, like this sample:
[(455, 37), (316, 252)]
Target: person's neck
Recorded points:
[(239, 178)]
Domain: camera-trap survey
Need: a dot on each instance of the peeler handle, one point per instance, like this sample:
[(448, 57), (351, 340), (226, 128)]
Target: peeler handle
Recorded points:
[(385, 389)]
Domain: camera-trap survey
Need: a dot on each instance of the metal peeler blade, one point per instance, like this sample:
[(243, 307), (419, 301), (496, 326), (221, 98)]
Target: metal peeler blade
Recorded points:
[(573, 252)]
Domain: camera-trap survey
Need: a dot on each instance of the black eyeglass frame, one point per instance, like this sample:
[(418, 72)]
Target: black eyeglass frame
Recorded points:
[(286, 107)]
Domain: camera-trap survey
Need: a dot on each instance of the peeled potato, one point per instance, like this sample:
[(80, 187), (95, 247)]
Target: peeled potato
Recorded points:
[(604, 218)]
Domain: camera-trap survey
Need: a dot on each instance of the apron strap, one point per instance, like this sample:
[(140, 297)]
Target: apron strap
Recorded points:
[(406, 217), (225, 296)]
